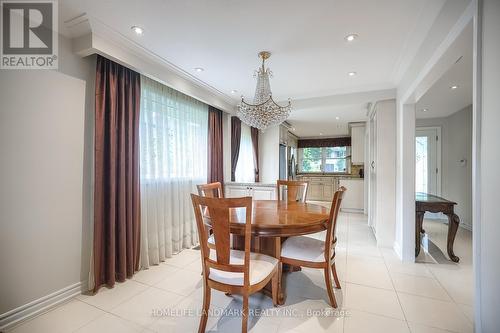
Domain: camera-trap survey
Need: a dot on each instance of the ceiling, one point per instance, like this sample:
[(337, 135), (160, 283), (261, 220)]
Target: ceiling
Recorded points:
[(305, 124), (310, 57), (441, 101), (330, 115)]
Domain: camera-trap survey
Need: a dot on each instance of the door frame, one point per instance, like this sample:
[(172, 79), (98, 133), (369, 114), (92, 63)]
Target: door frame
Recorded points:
[(407, 97)]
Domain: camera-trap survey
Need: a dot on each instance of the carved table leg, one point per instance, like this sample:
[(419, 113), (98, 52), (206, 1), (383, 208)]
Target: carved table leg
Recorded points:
[(453, 222), (419, 220)]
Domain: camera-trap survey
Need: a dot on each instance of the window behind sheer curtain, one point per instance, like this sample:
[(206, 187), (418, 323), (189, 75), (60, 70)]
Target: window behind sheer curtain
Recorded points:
[(173, 134), (173, 150), (245, 171)]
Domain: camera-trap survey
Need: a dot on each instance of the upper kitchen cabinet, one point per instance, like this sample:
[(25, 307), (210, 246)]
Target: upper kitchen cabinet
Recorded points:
[(357, 143)]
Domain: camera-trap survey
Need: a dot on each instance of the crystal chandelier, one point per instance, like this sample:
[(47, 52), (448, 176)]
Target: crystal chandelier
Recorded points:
[(264, 112)]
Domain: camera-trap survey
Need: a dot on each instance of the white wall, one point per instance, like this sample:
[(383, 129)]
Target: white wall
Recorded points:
[(385, 166), (456, 144), (487, 244), (45, 197), (269, 154)]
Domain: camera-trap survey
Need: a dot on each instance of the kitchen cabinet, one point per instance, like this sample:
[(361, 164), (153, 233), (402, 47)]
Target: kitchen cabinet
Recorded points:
[(255, 190), (315, 191), (357, 143), (354, 196), (320, 188)]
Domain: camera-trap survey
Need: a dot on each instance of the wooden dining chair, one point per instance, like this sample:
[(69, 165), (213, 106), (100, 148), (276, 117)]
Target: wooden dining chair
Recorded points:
[(211, 190), (296, 190), (315, 253), (227, 270)]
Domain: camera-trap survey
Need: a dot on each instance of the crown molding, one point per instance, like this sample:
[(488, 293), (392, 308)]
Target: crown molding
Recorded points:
[(92, 36)]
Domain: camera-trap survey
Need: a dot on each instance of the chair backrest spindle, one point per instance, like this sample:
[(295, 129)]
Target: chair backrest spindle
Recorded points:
[(296, 190), (211, 190)]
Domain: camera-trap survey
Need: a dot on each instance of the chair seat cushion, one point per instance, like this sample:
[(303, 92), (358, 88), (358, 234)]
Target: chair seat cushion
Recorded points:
[(261, 266), (303, 248)]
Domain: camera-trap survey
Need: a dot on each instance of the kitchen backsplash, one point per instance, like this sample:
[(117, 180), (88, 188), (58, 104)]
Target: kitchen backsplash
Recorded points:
[(355, 169)]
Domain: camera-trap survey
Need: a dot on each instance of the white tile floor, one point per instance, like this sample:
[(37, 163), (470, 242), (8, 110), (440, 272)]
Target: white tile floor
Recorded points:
[(379, 294)]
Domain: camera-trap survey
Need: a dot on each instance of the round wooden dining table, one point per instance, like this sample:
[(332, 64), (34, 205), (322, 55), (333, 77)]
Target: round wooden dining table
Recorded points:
[(276, 218), (272, 222)]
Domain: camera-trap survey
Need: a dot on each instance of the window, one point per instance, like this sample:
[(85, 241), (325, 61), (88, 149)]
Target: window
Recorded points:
[(335, 159), (173, 134), (173, 139), (311, 159), (245, 171), (324, 159)]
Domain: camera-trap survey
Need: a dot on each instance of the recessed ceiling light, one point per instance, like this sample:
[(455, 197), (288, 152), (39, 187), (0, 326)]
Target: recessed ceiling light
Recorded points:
[(198, 69), (137, 30), (351, 37), (234, 91), (425, 109), (293, 128), (320, 133), (337, 118), (352, 74), (453, 87)]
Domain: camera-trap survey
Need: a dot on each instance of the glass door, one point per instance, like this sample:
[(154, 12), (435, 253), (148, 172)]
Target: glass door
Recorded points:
[(428, 160)]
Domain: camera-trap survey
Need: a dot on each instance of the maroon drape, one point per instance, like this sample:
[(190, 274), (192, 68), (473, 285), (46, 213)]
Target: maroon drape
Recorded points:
[(215, 158), (235, 144), (116, 187), (255, 144)]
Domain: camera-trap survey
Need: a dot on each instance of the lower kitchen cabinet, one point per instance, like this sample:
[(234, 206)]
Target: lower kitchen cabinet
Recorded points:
[(321, 188), (255, 190), (354, 196)]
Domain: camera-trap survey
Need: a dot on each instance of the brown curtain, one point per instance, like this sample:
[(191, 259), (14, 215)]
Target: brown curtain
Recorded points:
[(326, 142), (235, 144), (255, 143), (215, 146), (116, 188)]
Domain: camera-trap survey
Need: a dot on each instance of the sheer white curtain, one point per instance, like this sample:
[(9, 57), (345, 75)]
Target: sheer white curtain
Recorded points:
[(245, 172), (173, 143)]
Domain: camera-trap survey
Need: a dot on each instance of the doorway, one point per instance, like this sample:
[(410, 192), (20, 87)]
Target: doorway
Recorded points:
[(428, 160)]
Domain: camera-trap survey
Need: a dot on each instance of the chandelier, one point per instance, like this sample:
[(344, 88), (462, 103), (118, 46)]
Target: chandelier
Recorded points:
[(264, 112)]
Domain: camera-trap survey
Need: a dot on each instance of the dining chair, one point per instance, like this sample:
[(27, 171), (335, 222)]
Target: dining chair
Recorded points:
[(211, 190), (227, 270), (296, 190), (315, 253)]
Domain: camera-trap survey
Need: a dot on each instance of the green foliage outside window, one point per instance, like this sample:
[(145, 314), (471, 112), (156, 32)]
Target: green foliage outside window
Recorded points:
[(327, 159)]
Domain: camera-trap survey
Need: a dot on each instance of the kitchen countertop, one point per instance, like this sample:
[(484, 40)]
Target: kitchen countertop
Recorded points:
[(346, 176), (250, 184)]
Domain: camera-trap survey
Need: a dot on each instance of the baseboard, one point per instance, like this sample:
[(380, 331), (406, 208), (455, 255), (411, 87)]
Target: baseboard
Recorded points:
[(16, 316), (352, 210), (397, 249)]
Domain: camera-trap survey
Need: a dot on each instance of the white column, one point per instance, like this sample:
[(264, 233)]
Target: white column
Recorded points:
[(487, 179), (404, 244)]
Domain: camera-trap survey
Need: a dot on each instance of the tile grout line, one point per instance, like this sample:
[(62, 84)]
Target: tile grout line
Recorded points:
[(397, 295), (452, 299), (345, 265)]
